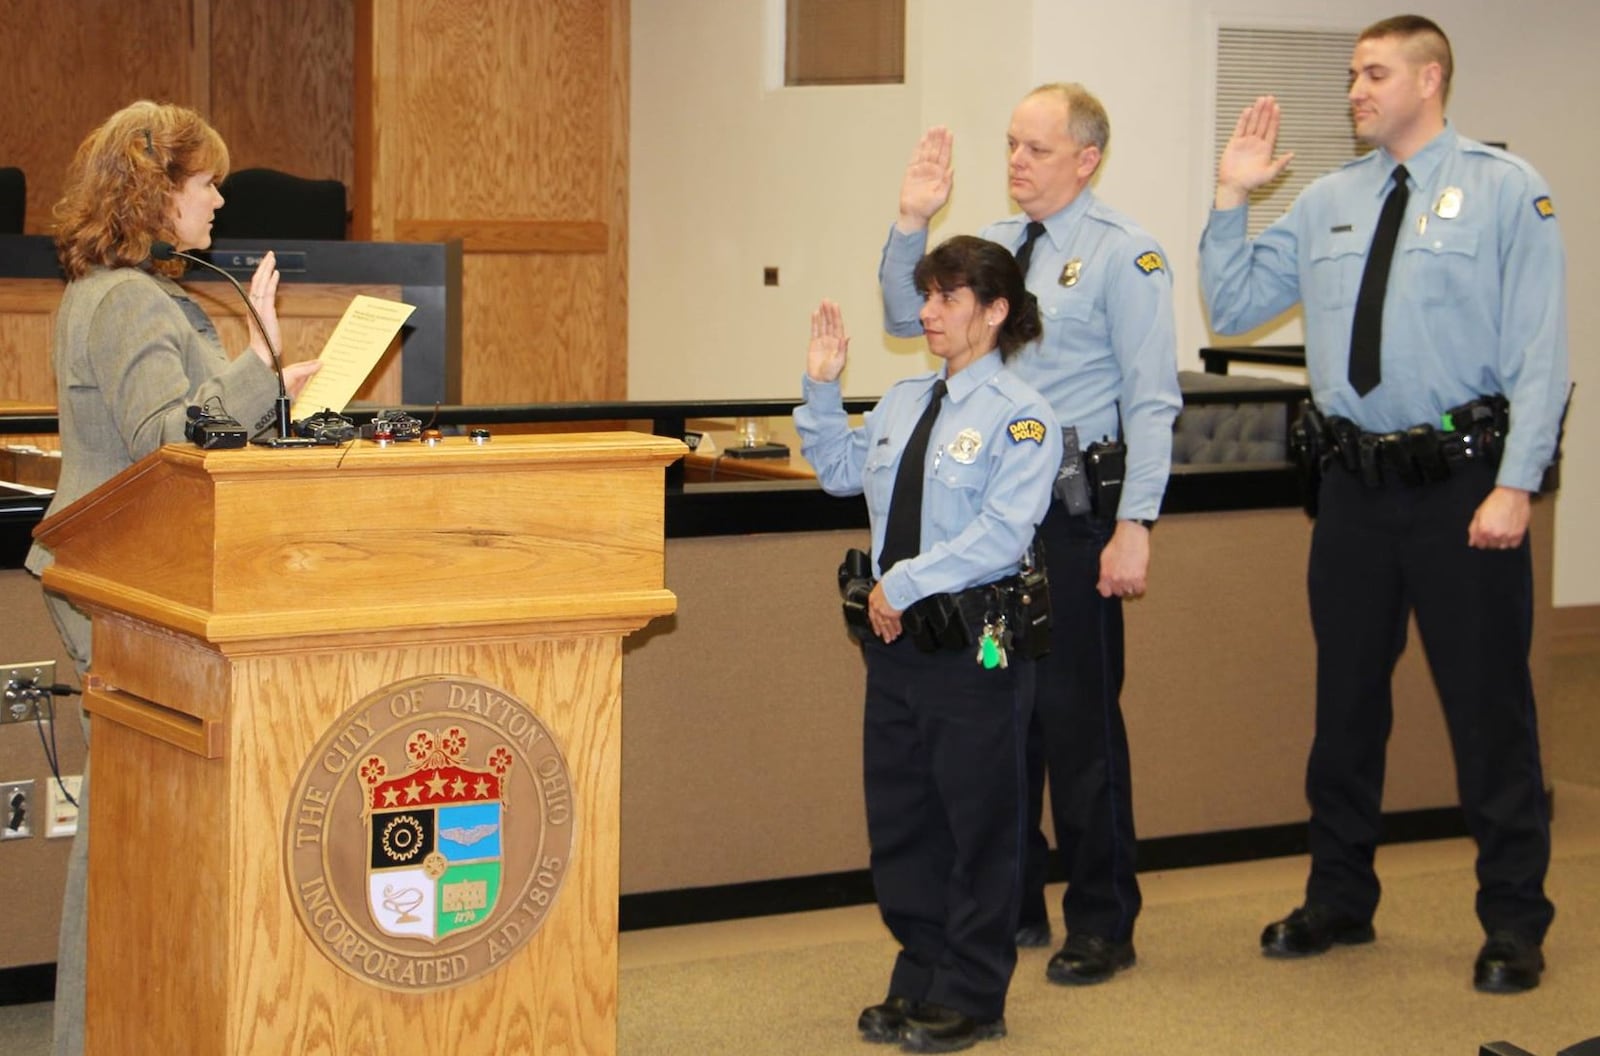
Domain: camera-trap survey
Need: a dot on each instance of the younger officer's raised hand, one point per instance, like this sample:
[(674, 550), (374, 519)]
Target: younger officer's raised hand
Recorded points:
[(1247, 160), (830, 345)]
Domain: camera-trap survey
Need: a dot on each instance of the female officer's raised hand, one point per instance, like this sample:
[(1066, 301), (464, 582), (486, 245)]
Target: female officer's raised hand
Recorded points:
[(829, 343)]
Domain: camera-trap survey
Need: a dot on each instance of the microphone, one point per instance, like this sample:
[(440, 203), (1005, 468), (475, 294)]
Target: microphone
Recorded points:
[(166, 251)]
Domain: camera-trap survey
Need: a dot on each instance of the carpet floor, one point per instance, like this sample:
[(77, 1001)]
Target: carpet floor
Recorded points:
[(1201, 985)]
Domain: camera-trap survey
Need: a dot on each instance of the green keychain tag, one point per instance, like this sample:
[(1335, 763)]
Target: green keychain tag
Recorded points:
[(1447, 423), (991, 652)]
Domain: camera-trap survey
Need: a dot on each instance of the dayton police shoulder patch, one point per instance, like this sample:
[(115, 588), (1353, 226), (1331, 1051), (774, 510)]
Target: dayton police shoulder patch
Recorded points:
[(1026, 429), (1544, 207), (1149, 262)]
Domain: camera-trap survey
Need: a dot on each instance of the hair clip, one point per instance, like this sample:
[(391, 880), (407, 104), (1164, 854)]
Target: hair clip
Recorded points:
[(149, 143)]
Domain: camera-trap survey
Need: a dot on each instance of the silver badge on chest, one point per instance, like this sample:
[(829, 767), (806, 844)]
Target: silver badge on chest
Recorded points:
[(964, 448)]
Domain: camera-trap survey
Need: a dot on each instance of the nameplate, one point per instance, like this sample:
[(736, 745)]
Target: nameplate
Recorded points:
[(245, 261)]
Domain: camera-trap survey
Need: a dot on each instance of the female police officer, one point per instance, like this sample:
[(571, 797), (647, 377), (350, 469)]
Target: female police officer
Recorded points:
[(947, 703)]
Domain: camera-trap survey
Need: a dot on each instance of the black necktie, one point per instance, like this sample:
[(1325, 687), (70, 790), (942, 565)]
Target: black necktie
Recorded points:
[(902, 538), (1366, 334), (1025, 253)]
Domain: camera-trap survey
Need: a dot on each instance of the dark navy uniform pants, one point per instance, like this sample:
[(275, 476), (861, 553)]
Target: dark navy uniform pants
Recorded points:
[(1078, 738), (945, 781), (1377, 555)]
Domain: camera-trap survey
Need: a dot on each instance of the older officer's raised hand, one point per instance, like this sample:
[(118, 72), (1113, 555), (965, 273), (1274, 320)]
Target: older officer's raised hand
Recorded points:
[(830, 345), (1247, 160), (926, 186)]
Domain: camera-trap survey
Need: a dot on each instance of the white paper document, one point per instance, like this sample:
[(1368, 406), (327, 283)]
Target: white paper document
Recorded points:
[(353, 349)]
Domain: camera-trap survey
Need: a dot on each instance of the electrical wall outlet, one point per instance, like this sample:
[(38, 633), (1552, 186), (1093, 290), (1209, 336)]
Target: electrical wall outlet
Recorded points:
[(24, 689), (16, 810), (63, 820)]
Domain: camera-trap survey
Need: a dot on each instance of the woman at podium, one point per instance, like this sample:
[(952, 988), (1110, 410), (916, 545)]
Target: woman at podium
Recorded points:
[(136, 360), (957, 467)]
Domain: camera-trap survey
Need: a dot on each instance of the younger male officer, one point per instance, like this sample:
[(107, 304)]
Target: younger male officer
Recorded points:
[(1107, 364), (1434, 282)]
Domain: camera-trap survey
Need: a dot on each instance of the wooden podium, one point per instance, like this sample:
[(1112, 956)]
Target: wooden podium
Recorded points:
[(262, 618)]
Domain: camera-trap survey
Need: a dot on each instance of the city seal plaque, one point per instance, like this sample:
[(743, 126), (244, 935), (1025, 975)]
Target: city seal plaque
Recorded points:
[(429, 833)]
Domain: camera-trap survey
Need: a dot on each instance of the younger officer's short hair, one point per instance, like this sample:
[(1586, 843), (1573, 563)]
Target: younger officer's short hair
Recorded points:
[(1425, 42)]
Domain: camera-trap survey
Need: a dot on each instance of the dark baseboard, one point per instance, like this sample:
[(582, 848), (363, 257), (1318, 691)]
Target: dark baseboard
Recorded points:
[(28, 984), (701, 905)]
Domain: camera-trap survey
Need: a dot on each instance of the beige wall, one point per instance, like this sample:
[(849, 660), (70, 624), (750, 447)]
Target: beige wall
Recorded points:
[(730, 175), (33, 870)]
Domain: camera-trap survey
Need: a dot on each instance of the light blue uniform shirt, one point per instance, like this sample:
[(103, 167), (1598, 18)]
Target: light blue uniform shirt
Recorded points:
[(992, 459), (1476, 303), (1108, 337)]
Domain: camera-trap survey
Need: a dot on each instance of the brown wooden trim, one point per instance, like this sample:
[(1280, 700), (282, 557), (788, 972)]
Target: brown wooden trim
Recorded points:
[(510, 236), (200, 56), (616, 330), (361, 191), (1575, 629)]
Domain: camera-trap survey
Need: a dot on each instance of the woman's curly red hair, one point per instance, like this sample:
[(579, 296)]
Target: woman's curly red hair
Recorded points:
[(120, 183)]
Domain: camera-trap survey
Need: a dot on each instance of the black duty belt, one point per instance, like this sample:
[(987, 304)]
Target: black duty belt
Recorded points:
[(1422, 453), (1013, 613), (957, 621)]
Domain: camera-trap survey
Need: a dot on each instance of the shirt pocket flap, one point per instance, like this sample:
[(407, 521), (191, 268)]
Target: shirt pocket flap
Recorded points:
[(1330, 248), (1448, 239), (961, 476), (1076, 305)]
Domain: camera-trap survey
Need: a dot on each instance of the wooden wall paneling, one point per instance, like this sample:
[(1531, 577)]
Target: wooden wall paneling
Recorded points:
[(73, 65), (534, 325), (282, 83), (27, 326), (505, 124), (274, 77)]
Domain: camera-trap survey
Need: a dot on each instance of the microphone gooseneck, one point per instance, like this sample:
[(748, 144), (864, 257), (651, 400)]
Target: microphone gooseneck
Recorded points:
[(166, 251)]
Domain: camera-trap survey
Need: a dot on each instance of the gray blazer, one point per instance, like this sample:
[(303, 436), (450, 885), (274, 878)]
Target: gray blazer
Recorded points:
[(132, 352)]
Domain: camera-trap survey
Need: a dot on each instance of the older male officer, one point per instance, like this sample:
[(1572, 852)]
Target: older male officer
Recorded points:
[(1107, 364), (1434, 283)]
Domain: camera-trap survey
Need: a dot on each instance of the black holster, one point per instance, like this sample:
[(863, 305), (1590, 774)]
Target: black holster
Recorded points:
[(855, 584), (1308, 447)]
